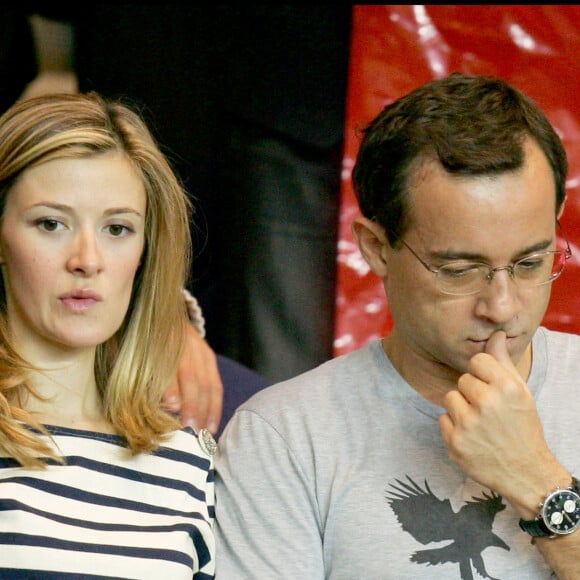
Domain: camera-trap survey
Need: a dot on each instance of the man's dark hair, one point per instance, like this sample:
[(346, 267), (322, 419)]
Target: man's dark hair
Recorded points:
[(472, 125)]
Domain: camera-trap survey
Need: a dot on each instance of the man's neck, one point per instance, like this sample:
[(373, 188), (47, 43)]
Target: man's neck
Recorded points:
[(431, 379)]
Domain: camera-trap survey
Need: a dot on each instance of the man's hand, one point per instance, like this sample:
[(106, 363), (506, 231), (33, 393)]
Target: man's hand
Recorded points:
[(197, 392), (493, 431)]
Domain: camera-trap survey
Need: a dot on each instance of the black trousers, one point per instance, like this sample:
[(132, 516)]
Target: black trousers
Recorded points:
[(277, 253)]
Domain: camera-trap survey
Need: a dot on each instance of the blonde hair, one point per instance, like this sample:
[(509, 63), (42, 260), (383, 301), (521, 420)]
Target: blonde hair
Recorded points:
[(134, 367)]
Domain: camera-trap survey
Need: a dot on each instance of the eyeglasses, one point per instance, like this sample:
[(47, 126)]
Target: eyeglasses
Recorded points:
[(462, 277)]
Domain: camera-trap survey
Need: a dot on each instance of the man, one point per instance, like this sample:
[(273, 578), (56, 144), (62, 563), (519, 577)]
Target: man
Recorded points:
[(425, 454)]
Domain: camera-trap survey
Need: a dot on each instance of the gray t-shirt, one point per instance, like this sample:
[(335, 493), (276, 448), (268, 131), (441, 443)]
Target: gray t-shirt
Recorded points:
[(341, 473)]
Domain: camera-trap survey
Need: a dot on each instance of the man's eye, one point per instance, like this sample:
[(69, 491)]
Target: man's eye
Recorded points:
[(460, 270), (531, 263)]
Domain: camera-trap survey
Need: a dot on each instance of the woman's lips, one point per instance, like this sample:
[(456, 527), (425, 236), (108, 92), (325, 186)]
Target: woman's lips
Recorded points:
[(80, 300)]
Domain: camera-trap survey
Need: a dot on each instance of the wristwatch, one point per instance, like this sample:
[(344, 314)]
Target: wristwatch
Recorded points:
[(559, 514)]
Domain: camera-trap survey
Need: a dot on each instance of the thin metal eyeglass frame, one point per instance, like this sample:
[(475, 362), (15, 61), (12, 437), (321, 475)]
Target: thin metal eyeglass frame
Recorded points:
[(509, 267)]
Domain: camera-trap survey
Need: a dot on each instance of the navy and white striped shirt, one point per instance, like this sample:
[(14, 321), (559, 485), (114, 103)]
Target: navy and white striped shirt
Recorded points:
[(108, 514)]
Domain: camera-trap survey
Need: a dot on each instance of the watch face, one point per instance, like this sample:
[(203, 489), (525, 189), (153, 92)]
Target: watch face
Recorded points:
[(561, 511)]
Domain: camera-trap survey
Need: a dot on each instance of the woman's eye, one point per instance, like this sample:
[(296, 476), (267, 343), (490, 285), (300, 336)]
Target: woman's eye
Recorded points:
[(118, 230), (49, 225)]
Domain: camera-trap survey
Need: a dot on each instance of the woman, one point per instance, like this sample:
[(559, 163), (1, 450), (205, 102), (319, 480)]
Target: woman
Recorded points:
[(96, 479)]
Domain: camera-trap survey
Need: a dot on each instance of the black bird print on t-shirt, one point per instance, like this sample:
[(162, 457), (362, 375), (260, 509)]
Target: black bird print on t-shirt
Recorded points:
[(430, 519)]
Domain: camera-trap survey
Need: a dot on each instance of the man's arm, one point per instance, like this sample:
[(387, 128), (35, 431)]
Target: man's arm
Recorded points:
[(197, 392), (494, 434), (266, 514)]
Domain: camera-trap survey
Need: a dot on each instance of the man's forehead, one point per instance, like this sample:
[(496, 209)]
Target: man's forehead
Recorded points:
[(426, 178), (509, 211)]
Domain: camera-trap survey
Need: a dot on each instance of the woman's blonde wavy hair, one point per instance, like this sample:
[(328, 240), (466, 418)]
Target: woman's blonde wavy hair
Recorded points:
[(133, 367)]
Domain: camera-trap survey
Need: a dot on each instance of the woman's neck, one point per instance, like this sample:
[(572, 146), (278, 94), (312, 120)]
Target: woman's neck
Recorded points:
[(67, 391)]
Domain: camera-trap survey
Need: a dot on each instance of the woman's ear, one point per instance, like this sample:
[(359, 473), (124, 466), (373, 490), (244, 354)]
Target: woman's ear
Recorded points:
[(373, 244)]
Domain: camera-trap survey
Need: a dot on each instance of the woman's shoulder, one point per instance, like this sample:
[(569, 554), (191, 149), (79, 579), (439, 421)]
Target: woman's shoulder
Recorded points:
[(186, 440)]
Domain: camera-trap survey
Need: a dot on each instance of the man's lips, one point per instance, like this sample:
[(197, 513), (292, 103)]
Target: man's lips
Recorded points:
[(509, 338), (490, 335)]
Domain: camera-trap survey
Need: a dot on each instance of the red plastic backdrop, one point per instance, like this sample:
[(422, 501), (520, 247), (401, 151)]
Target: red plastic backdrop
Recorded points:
[(397, 48)]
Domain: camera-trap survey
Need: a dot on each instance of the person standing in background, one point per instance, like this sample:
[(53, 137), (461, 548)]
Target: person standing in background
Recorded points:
[(285, 86)]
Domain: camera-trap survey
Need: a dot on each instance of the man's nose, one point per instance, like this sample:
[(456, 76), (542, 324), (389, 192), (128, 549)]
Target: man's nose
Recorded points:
[(499, 300)]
